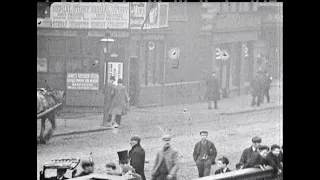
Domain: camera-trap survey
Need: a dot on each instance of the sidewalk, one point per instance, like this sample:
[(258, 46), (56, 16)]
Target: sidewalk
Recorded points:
[(237, 105)]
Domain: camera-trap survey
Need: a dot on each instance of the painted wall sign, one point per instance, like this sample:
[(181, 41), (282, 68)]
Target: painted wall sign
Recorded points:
[(90, 15), (83, 81)]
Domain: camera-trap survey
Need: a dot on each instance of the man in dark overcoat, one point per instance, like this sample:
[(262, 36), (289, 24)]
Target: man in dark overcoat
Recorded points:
[(248, 152), (137, 156), (108, 92), (257, 88), (266, 86), (213, 90), (204, 155)]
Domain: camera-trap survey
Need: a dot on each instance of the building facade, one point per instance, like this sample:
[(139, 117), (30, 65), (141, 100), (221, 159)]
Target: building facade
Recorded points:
[(161, 66)]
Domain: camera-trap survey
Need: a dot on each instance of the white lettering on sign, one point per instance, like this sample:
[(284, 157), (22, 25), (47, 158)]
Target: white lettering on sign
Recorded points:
[(90, 15), (83, 81)]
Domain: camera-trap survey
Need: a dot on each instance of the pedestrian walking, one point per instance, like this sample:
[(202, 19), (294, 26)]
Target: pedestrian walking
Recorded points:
[(137, 156), (204, 155), (257, 88), (249, 152), (166, 162), (120, 103), (108, 92), (213, 91), (266, 86), (223, 166)]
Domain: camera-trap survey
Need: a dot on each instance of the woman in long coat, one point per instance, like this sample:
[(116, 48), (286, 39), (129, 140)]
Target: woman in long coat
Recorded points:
[(120, 102)]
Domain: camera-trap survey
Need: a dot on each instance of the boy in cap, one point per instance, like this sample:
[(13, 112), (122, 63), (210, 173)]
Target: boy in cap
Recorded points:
[(204, 155), (129, 171), (137, 156), (111, 169), (87, 167), (222, 163), (248, 152), (275, 155), (261, 160), (166, 162)]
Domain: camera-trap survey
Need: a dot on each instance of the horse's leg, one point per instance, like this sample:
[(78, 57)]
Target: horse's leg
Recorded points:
[(43, 128), (52, 120)]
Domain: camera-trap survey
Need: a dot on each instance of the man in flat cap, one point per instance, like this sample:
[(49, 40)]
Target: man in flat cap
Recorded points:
[(213, 90), (137, 156), (248, 152), (261, 160), (204, 155), (166, 162)]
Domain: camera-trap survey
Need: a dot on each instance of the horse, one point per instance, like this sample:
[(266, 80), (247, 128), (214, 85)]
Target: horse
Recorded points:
[(46, 99)]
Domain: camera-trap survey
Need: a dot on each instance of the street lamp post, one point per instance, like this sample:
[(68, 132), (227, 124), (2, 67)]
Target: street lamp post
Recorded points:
[(104, 42)]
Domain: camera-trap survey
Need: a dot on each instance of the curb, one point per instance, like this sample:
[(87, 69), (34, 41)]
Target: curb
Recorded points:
[(251, 110), (103, 129), (81, 132)]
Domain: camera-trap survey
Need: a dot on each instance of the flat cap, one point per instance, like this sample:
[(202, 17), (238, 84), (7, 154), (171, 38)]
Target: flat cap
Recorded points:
[(263, 147), (275, 146), (136, 138), (256, 139), (111, 165), (205, 132), (166, 137), (86, 163)]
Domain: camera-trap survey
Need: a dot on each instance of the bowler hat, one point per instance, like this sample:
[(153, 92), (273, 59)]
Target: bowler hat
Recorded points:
[(123, 157), (256, 139)]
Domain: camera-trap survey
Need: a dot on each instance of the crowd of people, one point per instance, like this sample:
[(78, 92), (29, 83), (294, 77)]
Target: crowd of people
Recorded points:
[(166, 164)]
